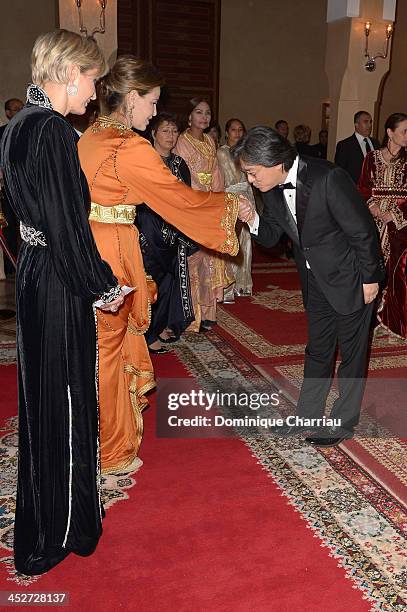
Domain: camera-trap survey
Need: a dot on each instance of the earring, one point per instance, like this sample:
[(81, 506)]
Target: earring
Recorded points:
[(72, 90), (129, 116)]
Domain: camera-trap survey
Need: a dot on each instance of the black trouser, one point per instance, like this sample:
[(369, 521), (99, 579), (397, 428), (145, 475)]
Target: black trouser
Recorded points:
[(327, 329)]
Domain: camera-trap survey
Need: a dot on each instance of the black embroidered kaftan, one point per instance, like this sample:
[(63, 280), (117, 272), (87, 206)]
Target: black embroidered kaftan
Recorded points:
[(59, 275)]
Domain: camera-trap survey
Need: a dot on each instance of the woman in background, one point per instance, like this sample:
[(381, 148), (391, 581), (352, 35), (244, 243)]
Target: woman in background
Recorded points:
[(236, 182), (59, 275), (215, 133), (302, 137), (383, 183), (165, 250), (210, 273)]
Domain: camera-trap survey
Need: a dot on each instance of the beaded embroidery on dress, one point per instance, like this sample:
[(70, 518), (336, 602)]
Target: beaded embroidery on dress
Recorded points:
[(37, 96)]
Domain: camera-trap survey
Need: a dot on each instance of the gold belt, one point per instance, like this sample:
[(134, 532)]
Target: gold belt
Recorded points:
[(205, 178), (122, 213)]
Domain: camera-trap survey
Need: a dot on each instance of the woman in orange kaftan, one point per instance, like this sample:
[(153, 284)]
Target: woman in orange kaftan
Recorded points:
[(123, 170)]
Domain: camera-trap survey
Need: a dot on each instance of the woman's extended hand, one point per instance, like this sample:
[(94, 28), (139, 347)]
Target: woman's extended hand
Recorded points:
[(246, 210), (115, 305)]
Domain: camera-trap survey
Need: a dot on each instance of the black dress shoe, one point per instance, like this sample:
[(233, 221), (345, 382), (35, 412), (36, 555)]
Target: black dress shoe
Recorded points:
[(206, 325), (285, 431), (159, 351), (330, 436), (168, 340)]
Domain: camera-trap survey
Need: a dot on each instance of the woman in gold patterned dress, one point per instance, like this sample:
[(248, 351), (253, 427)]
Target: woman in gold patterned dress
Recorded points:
[(236, 182), (210, 273), (124, 170), (383, 183)]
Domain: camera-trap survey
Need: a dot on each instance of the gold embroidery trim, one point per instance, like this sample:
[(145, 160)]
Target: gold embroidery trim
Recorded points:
[(228, 222), (107, 122), (138, 403), (122, 213), (205, 148)]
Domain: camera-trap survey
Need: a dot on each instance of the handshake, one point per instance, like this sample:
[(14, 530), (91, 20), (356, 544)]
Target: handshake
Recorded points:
[(247, 211)]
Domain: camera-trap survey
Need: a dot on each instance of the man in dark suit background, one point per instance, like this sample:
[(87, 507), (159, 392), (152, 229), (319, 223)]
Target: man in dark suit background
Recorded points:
[(337, 255), (11, 108), (351, 152)]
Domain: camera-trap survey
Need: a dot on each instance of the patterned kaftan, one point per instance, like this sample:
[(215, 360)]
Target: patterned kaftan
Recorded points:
[(59, 275), (236, 182), (385, 183), (210, 272), (165, 255), (124, 171)]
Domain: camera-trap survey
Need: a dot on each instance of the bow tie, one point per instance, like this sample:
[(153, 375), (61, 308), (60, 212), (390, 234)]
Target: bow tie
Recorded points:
[(286, 186)]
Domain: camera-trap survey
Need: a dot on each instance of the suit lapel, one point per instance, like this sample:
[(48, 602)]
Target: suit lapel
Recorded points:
[(285, 212), (358, 150), (302, 192)]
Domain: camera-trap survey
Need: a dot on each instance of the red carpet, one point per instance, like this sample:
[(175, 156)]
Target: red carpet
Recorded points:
[(204, 529), (210, 526)]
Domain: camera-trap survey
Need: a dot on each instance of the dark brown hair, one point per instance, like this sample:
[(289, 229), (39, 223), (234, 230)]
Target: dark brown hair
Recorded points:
[(392, 123), (230, 121), (127, 74)]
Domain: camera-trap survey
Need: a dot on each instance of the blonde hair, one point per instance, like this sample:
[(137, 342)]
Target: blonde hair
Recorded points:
[(302, 133), (127, 74), (55, 52)]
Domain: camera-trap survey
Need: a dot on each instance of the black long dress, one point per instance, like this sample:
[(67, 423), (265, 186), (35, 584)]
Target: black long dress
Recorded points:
[(165, 253), (59, 275)]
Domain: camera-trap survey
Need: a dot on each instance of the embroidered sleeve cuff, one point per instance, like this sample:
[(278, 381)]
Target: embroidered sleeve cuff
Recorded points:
[(398, 217), (109, 296), (228, 222)]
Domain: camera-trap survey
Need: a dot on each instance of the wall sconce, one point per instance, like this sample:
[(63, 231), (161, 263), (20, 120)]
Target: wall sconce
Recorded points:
[(370, 64), (102, 21)]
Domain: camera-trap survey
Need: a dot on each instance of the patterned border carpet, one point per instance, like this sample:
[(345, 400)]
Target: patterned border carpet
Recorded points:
[(350, 504), (113, 490), (361, 524)]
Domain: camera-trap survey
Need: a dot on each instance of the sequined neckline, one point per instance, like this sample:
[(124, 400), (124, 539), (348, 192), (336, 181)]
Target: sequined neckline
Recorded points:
[(37, 96), (106, 122)]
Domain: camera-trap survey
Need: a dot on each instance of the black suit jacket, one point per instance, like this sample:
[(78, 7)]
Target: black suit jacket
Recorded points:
[(336, 233), (349, 156)]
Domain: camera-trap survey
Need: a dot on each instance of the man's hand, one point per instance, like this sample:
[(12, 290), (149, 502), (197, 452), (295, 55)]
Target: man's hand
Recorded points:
[(370, 291), (246, 210)]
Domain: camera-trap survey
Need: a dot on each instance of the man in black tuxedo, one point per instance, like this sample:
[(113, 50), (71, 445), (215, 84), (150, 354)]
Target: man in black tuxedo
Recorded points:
[(337, 255), (351, 152)]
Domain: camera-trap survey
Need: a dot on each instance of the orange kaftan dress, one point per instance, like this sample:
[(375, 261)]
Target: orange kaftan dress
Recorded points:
[(124, 170)]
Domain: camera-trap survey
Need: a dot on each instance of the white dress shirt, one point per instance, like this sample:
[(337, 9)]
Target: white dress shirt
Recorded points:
[(361, 141), (289, 195)]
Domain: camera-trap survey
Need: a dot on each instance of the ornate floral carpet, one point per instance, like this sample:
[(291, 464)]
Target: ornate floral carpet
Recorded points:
[(360, 522), (114, 487), (352, 497)]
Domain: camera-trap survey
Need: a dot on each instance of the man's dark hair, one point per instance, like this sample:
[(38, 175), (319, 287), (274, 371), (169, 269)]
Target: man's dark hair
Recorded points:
[(263, 146), (8, 103), (358, 115), (280, 122)]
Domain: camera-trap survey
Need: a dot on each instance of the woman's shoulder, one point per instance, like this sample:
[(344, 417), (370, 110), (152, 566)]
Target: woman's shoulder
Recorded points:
[(38, 116), (37, 123)]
